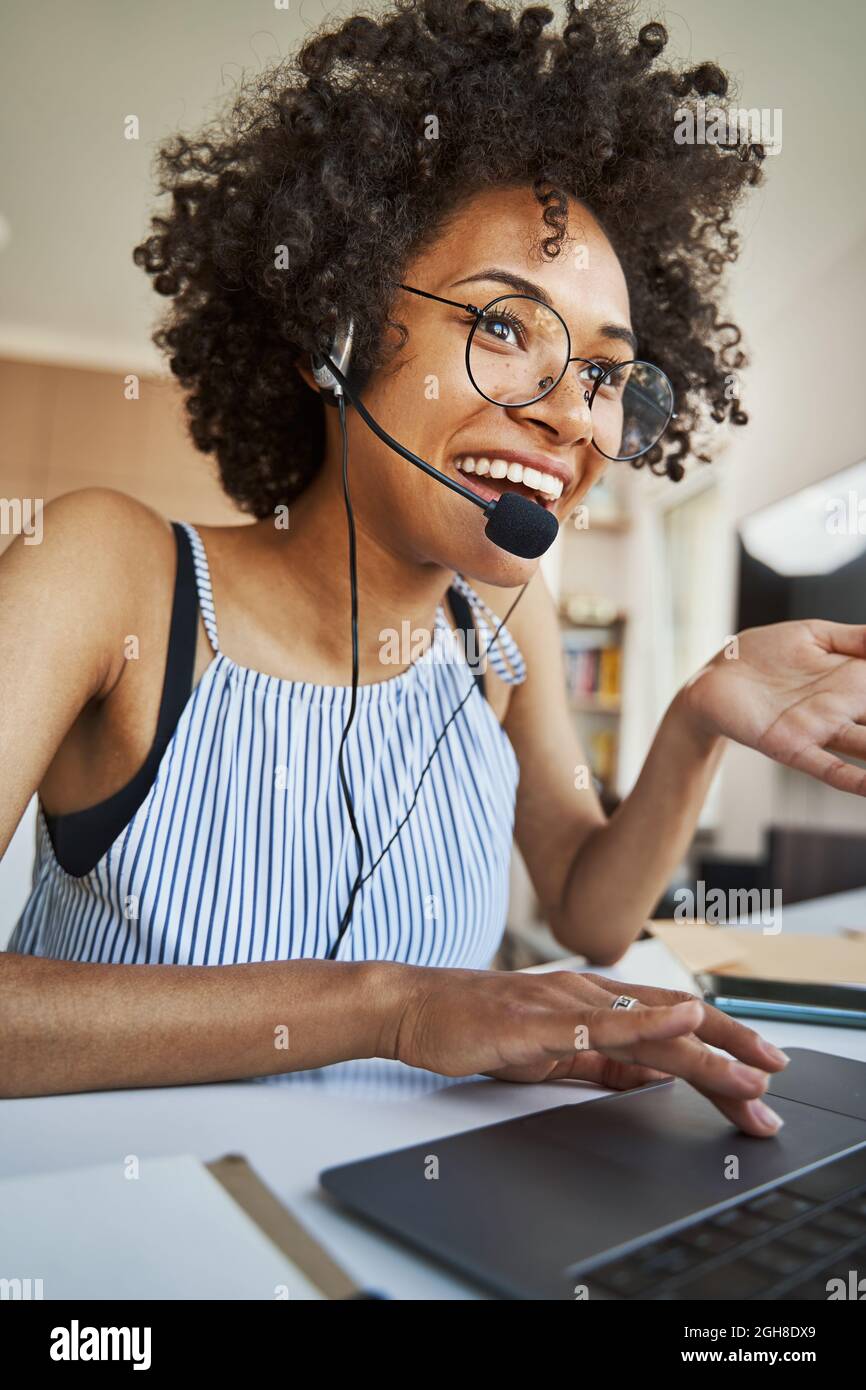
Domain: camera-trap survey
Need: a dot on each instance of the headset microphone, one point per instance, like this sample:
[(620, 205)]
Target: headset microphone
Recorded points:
[(520, 526), (514, 523)]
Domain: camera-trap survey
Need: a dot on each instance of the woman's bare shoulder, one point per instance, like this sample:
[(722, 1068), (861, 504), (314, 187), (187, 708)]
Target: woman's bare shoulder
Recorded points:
[(92, 567), (109, 521)]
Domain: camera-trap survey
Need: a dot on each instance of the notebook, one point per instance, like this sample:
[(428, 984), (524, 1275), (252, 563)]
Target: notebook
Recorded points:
[(159, 1228)]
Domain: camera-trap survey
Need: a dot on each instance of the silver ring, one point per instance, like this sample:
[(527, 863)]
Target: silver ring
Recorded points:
[(624, 1001)]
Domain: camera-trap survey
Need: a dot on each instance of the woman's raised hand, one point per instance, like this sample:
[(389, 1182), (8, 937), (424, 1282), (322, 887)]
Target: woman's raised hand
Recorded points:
[(796, 692)]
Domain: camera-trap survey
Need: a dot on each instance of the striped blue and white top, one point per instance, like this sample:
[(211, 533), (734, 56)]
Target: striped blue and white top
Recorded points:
[(242, 849)]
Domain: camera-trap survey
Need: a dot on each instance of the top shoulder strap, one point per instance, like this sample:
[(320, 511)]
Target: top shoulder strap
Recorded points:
[(500, 648), (465, 623), (203, 584), (180, 661)]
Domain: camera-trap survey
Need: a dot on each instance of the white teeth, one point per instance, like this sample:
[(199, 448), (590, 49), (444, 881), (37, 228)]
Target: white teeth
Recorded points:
[(534, 478), (550, 486)]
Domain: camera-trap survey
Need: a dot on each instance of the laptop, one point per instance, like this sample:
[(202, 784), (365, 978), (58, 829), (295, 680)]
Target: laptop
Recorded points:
[(643, 1194)]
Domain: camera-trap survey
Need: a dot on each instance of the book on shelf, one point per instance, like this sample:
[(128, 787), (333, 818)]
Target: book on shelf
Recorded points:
[(602, 756), (592, 673)]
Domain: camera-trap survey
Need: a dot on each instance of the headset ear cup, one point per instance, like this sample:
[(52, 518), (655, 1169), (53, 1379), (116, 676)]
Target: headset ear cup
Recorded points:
[(340, 353), (322, 377)]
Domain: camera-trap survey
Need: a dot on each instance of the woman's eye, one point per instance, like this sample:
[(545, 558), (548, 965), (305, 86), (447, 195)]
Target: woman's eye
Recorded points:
[(612, 375), (502, 329), (591, 373)]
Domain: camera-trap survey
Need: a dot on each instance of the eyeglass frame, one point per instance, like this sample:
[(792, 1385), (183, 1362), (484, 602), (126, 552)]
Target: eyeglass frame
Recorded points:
[(588, 397)]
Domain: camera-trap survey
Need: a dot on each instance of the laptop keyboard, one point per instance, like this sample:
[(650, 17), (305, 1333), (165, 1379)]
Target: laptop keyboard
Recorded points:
[(785, 1244)]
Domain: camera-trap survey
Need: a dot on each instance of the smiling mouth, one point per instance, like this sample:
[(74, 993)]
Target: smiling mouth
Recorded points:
[(489, 477)]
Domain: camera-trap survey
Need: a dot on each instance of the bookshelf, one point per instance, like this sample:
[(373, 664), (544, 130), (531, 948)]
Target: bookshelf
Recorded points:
[(593, 627), (592, 659)]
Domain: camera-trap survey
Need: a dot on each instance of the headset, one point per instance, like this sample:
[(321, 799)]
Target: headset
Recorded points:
[(514, 523)]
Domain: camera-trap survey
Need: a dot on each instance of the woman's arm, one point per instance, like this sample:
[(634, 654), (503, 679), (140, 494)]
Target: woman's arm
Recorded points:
[(621, 869), (793, 691), (66, 605), (77, 1026), (597, 879)]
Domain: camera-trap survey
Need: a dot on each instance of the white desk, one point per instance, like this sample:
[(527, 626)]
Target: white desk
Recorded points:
[(827, 915), (292, 1127)]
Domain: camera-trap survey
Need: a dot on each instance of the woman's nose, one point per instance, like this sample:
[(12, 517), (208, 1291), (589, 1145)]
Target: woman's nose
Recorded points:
[(564, 410)]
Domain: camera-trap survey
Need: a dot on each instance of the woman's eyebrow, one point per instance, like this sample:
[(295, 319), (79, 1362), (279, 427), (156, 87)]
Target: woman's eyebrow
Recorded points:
[(620, 333), (508, 277), (524, 286)]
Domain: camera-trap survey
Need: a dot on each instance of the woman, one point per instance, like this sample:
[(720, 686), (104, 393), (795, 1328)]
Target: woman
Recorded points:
[(212, 792)]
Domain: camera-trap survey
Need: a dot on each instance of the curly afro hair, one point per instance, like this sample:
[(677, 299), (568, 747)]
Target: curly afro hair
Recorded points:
[(303, 203)]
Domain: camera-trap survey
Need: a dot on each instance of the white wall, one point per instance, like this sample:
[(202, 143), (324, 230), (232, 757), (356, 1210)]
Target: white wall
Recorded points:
[(805, 393), (807, 407)]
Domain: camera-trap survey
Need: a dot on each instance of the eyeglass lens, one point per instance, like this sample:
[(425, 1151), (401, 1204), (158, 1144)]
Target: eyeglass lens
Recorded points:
[(519, 350)]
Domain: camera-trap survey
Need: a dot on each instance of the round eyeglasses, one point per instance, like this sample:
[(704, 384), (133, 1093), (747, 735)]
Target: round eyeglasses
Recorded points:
[(518, 351)]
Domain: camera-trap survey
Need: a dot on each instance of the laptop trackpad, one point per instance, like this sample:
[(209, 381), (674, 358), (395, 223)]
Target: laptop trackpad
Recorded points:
[(633, 1163), (518, 1203), (832, 1083)]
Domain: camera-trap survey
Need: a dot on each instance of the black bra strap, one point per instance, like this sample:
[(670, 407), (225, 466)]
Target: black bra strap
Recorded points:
[(180, 662), (462, 613), (81, 838)]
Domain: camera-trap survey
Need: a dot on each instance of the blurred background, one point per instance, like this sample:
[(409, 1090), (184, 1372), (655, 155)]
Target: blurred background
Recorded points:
[(664, 573)]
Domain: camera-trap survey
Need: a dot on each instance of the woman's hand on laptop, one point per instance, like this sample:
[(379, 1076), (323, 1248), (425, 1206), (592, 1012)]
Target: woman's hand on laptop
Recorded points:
[(561, 1025)]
